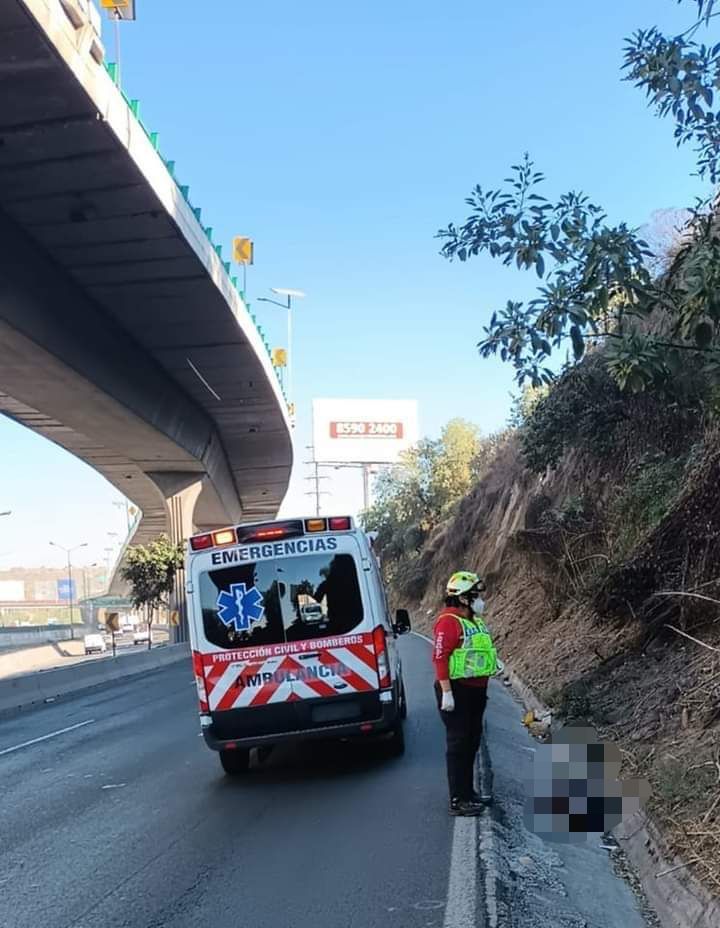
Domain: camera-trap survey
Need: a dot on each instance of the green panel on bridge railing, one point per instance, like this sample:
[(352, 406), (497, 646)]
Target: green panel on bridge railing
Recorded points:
[(134, 106)]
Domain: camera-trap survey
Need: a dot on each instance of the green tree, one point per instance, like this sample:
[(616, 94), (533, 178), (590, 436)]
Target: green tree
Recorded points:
[(413, 497), (597, 280), (525, 403), (150, 571)]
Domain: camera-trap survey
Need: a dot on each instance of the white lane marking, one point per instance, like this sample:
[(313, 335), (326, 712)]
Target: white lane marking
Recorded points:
[(487, 854), (460, 909), (462, 885), (461, 905), (53, 734)]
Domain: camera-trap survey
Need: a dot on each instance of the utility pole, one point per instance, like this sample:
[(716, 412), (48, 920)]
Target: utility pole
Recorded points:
[(315, 478)]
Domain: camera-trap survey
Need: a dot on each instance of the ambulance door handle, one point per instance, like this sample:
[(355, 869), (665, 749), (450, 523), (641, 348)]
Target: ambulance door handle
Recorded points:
[(304, 657)]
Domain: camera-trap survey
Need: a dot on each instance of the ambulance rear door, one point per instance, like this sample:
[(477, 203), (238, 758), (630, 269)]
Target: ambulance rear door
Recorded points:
[(283, 622)]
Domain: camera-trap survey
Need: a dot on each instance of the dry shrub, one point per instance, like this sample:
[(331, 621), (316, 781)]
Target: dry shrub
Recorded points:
[(681, 554)]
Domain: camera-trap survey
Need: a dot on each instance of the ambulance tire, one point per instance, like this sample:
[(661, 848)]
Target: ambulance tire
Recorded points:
[(396, 743), (236, 762), (403, 701)]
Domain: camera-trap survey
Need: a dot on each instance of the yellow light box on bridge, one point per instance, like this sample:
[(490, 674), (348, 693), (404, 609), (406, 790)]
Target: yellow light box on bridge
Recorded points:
[(279, 357), (119, 9), (243, 250)]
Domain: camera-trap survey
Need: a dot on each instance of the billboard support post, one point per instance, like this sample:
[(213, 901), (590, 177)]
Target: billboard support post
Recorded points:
[(366, 487)]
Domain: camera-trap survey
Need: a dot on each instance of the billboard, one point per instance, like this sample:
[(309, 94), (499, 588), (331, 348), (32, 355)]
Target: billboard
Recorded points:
[(12, 591), (66, 591), (363, 431)]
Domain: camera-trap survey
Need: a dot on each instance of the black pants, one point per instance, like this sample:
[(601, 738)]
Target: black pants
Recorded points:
[(464, 731)]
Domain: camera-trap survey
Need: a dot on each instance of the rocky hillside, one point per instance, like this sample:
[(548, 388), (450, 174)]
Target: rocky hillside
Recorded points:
[(597, 527)]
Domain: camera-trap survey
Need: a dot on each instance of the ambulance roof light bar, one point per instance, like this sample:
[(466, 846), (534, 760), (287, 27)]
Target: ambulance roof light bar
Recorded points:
[(269, 531)]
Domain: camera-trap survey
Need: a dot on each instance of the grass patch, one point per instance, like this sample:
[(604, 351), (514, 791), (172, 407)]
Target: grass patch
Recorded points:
[(651, 489)]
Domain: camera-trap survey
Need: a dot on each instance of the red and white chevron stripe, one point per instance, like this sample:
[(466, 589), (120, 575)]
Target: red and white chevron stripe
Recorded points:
[(303, 670)]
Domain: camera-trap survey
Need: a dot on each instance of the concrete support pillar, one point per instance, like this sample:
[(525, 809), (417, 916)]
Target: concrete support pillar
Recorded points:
[(181, 492)]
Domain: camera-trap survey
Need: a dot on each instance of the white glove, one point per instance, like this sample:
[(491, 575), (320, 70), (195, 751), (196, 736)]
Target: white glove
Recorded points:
[(448, 702)]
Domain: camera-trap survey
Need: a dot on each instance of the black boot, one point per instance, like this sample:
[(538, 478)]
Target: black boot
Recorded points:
[(465, 807)]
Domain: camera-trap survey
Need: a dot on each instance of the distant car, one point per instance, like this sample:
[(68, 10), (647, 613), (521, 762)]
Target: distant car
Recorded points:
[(141, 636), (312, 613), (94, 644), (53, 621)]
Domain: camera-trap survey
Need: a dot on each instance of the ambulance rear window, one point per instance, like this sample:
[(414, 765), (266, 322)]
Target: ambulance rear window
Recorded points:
[(289, 599)]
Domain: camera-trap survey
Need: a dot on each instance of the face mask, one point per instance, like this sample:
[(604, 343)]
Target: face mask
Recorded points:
[(478, 606)]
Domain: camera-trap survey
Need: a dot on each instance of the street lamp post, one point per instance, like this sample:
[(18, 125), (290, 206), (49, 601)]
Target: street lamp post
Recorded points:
[(108, 559), (123, 504), (288, 294), (86, 583), (68, 552)]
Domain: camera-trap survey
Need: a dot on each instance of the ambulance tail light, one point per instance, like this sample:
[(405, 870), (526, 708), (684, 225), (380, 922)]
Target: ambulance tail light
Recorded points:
[(315, 525), (201, 542), (199, 671), (340, 524), (382, 657)]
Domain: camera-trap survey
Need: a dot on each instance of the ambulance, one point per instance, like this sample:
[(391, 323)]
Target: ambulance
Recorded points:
[(292, 638)]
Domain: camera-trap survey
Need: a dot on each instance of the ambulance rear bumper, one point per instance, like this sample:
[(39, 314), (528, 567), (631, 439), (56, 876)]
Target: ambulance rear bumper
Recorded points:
[(359, 716)]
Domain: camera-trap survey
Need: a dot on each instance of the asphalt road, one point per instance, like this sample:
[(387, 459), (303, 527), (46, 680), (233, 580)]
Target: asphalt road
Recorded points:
[(127, 820)]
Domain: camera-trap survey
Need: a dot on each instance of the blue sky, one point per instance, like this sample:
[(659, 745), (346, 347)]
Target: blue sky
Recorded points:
[(341, 137)]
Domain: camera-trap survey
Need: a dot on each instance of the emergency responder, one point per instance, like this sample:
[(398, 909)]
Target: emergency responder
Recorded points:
[(465, 659)]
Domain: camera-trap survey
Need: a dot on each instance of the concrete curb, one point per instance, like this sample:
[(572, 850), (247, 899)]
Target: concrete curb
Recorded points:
[(47, 685), (677, 898)]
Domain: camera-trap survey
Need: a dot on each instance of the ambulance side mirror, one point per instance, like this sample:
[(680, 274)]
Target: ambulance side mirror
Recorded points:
[(402, 622)]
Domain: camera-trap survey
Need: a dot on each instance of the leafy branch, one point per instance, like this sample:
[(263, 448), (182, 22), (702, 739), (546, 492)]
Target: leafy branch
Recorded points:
[(681, 78), (593, 274)]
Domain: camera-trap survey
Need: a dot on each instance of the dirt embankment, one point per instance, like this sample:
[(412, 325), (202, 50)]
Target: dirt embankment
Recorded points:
[(592, 601)]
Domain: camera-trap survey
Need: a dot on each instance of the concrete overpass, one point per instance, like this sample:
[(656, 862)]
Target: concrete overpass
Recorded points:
[(123, 337)]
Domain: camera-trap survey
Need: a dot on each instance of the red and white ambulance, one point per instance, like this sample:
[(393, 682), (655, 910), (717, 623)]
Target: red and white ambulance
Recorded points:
[(292, 638)]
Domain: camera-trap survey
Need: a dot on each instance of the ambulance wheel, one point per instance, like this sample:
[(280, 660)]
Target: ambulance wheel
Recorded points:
[(396, 742), (403, 701), (235, 762)]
